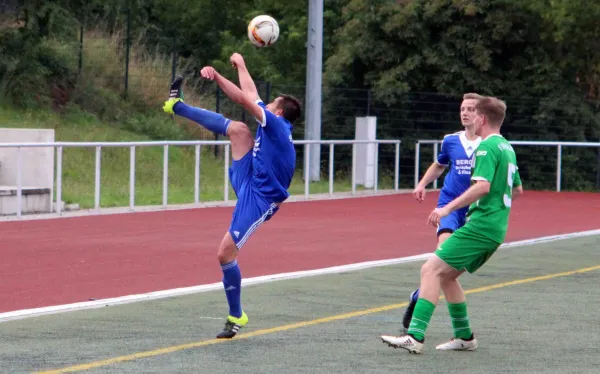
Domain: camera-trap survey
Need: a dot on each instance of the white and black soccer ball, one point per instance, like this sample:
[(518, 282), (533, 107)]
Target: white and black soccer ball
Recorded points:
[(263, 31)]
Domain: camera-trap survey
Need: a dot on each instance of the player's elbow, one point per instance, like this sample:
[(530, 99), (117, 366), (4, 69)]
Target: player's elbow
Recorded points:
[(253, 95), (439, 168), (484, 187), (245, 100)]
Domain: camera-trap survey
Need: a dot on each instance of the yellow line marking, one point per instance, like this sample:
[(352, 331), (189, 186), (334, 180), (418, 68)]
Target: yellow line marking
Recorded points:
[(293, 326)]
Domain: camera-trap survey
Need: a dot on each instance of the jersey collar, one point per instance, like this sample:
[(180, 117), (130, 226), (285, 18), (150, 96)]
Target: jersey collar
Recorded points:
[(468, 145), (489, 136)]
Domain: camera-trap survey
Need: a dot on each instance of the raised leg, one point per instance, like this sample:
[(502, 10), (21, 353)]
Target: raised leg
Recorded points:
[(239, 134)]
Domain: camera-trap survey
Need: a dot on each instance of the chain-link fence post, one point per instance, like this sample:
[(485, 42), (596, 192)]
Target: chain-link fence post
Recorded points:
[(217, 109), (174, 59), (127, 46)]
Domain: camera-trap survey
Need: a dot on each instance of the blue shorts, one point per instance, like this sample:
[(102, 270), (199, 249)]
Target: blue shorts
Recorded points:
[(251, 209), (453, 221)]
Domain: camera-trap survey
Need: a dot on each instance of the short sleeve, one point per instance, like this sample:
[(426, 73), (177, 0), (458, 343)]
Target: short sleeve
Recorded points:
[(443, 157), (274, 127), (485, 164), (267, 116)]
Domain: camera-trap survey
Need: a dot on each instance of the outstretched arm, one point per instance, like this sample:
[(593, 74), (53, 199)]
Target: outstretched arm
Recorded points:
[(246, 81), (234, 92)]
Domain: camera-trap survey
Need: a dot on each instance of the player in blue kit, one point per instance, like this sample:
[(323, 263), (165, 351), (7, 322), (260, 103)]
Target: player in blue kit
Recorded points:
[(261, 172), (457, 154)]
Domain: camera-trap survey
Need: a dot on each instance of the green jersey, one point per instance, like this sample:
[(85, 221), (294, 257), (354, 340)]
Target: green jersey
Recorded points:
[(495, 162)]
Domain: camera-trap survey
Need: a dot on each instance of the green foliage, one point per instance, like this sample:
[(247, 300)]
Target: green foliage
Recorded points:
[(109, 107), (572, 28), (35, 63), (431, 46), (37, 73), (48, 18)]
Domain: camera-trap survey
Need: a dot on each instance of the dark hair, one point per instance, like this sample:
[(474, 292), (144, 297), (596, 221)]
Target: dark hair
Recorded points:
[(292, 109)]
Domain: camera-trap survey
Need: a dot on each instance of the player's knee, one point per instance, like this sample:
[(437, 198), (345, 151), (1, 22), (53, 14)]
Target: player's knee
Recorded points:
[(227, 251), (433, 267), (226, 255), (448, 278), (238, 130), (428, 270)]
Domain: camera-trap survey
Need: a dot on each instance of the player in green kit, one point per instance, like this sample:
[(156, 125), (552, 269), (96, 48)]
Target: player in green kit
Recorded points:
[(495, 184)]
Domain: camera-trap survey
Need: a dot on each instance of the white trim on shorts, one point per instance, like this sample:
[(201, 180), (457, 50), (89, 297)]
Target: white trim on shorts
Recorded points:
[(255, 225)]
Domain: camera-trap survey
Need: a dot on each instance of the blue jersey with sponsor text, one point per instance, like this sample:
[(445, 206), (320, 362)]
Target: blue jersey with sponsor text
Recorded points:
[(457, 154)]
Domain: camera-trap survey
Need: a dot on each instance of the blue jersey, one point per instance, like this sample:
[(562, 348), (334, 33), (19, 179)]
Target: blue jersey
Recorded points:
[(457, 153), (273, 156)]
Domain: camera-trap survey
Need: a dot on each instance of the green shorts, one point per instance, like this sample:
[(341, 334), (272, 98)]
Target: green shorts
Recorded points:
[(466, 249)]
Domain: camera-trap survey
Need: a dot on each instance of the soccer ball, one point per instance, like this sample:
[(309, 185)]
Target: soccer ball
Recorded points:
[(263, 31)]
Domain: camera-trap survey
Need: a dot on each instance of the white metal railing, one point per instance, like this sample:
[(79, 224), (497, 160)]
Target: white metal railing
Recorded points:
[(558, 145), (59, 146)]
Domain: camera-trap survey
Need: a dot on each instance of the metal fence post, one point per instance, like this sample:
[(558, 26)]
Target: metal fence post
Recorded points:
[(598, 170), (397, 167), (376, 171), (306, 169), (197, 175), (19, 182), (417, 162), (435, 156), (165, 175), (226, 174), (59, 152), (331, 169), (558, 167), (353, 169), (132, 178), (97, 180)]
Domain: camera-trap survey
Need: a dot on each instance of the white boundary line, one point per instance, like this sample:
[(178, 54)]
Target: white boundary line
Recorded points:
[(27, 313)]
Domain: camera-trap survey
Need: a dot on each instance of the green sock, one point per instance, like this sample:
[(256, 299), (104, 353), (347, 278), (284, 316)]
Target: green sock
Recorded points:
[(421, 317), (460, 320)]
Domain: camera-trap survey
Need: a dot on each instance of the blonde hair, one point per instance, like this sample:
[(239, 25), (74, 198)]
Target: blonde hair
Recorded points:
[(493, 109), (472, 96)]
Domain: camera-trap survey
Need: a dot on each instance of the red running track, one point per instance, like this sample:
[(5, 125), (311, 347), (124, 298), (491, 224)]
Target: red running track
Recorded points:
[(59, 261)]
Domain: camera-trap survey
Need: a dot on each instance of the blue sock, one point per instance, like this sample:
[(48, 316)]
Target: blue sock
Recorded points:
[(215, 122), (232, 282)]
